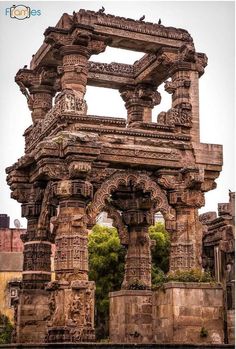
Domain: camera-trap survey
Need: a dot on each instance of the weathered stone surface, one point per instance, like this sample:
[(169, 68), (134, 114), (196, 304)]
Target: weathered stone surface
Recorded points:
[(183, 309)]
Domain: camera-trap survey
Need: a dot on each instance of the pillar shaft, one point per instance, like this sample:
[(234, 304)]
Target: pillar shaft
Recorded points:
[(71, 295), (75, 68)]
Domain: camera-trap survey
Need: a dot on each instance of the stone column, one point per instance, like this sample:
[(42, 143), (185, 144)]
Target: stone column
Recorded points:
[(139, 102), (39, 88), (184, 87), (71, 295), (75, 68), (37, 250), (32, 308), (41, 101), (186, 241), (138, 258)]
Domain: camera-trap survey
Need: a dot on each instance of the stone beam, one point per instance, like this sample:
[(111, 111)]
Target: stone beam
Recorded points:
[(113, 75), (124, 33)]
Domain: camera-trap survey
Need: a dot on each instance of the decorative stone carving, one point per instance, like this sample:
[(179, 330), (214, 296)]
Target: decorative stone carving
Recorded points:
[(124, 178), (180, 116), (69, 102), (139, 100), (112, 68)]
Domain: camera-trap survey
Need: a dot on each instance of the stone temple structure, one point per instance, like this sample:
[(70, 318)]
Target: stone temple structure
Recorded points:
[(77, 165)]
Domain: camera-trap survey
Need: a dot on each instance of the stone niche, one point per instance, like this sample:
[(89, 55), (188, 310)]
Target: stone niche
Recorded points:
[(174, 313)]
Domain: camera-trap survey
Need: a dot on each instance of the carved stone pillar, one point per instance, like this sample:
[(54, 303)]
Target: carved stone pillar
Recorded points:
[(74, 71), (37, 239), (184, 88), (71, 295), (32, 308), (39, 88), (41, 101), (139, 102), (186, 241), (138, 258), (75, 68)]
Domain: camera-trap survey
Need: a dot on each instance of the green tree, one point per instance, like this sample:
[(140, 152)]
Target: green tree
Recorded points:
[(160, 252), (6, 329), (106, 265)]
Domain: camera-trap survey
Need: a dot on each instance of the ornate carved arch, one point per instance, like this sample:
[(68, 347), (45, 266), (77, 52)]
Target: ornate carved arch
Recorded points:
[(118, 223), (137, 179)]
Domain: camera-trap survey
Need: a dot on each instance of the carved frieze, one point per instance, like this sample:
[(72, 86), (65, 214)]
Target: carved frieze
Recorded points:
[(181, 115), (182, 256), (71, 253), (113, 68), (68, 101), (37, 256)]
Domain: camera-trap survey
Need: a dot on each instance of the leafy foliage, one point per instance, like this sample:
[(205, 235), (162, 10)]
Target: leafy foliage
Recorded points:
[(6, 329), (193, 275), (161, 251), (106, 265)]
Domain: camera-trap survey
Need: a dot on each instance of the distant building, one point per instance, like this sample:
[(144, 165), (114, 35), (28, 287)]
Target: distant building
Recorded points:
[(11, 264), (158, 218), (103, 219), (4, 220)]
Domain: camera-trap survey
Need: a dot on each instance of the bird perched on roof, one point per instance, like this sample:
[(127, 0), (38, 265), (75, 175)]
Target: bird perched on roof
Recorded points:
[(25, 66), (101, 10), (159, 22), (142, 18)]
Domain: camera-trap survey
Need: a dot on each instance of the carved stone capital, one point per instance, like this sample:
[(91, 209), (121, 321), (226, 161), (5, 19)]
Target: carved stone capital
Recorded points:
[(169, 179), (138, 217), (193, 178), (66, 189), (79, 169), (31, 209), (189, 198), (56, 38), (141, 94)]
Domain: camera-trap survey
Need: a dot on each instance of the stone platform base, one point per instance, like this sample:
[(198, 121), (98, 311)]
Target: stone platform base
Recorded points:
[(231, 326), (189, 313), (116, 346), (130, 318), (175, 313), (32, 313)]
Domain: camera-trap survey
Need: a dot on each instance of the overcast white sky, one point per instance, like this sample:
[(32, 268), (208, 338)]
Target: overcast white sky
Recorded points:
[(211, 24)]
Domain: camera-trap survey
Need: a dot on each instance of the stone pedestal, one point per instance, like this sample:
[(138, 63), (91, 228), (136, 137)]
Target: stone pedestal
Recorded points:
[(31, 314), (131, 316), (72, 312), (188, 313), (231, 326)]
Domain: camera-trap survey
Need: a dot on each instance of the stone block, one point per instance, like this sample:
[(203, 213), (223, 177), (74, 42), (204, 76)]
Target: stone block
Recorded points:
[(186, 313), (189, 311)]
